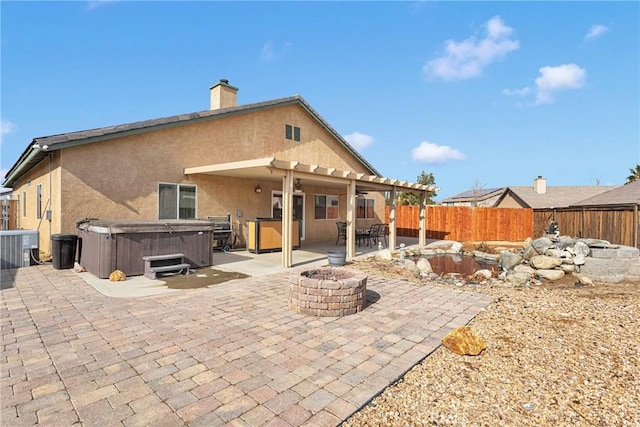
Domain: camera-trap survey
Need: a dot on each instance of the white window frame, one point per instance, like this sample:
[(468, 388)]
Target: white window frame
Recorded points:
[(327, 206), (178, 187), (366, 202)]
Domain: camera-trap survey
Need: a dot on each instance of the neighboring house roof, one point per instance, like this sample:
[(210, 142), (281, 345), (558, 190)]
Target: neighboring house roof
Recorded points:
[(470, 195), (555, 196), (40, 147), (628, 194)]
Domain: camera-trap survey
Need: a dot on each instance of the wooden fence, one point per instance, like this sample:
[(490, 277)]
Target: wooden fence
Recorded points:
[(617, 224), (463, 223)]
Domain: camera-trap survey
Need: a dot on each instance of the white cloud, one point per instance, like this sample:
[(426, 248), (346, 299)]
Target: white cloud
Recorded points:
[(555, 79), (6, 127), (270, 52), (596, 31), (359, 140), (428, 152), (468, 58), (551, 81)]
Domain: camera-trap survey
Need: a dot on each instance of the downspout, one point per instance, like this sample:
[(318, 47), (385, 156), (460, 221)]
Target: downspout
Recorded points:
[(635, 225)]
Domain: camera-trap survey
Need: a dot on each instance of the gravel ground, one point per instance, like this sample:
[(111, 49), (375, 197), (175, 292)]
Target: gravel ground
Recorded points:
[(557, 355)]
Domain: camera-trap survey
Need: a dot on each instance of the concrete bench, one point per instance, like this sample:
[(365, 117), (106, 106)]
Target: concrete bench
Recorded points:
[(162, 263)]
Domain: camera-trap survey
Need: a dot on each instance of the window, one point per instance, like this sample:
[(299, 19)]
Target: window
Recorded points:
[(326, 207), (176, 201), (24, 203), (39, 201), (364, 209), (292, 132)]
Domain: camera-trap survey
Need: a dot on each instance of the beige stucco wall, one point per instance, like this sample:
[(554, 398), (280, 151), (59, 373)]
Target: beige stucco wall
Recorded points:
[(28, 185), (118, 178), (509, 202)]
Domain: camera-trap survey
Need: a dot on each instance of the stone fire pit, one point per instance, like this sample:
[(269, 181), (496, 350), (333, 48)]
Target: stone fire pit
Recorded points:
[(328, 292)]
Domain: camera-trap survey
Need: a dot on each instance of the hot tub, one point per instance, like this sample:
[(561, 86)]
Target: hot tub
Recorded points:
[(108, 245)]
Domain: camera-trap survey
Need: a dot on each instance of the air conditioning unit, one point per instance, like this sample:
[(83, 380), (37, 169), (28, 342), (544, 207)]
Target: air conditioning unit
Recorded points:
[(18, 248)]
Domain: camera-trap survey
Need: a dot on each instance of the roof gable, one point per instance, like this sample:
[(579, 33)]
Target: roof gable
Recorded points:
[(41, 147), (628, 194), (556, 196)]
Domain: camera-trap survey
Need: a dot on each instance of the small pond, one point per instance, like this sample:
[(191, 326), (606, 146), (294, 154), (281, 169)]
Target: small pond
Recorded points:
[(461, 264)]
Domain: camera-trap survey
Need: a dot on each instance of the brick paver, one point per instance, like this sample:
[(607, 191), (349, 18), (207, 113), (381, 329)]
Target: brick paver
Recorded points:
[(230, 354)]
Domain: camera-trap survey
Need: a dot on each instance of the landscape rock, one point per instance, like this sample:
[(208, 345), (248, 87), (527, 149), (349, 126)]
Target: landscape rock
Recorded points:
[(584, 280), (527, 242), (550, 274), (463, 341), (424, 265), (567, 268), (541, 244), (544, 262), (508, 260), (117, 276), (518, 278), (449, 246), (483, 274), (409, 265), (529, 252), (522, 268), (383, 255)]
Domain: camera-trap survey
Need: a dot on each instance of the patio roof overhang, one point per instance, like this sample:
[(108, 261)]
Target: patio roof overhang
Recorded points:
[(273, 169), (285, 171)]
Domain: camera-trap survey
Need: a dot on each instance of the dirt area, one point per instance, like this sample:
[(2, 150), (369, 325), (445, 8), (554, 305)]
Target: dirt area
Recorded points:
[(557, 354)]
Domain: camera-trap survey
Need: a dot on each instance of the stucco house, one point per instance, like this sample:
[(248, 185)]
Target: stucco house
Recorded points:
[(538, 196), (277, 158)]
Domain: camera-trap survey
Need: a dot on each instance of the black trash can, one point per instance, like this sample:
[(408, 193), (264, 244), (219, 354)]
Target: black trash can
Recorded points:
[(63, 250)]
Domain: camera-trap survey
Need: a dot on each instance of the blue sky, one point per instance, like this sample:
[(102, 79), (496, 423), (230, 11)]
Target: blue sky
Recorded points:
[(481, 94)]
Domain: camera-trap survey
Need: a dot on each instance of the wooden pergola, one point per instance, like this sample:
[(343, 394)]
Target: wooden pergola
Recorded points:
[(271, 168)]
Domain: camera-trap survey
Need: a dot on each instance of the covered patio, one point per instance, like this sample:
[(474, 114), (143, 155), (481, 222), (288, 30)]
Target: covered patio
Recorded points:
[(287, 172), (311, 254)]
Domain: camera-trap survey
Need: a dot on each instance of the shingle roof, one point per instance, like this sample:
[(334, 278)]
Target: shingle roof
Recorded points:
[(43, 145), (628, 194), (557, 196)]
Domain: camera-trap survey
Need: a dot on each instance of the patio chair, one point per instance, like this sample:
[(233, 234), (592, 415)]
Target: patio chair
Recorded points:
[(342, 231), (377, 233)]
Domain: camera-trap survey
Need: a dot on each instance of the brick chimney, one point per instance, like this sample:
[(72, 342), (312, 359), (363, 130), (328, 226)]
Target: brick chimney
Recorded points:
[(223, 95), (540, 185)]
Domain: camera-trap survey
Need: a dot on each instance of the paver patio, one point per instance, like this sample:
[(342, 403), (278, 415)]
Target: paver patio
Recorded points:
[(229, 354)]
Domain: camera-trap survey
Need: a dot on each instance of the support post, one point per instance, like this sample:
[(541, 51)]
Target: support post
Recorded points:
[(392, 219), (422, 228), (287, 219), (351, 220)]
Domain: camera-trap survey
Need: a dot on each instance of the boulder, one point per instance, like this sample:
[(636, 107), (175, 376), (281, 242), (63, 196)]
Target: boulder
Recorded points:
[(117, 276), (449, 246), (409, 265), (521, 268), (567, 268), (581, 248), (508, 260), (463, 341), (541, 244), (383, 255), (518, 278), (550, 274), (529, 252), (424, 266), (584, 280), (483, 274), (544, 262)]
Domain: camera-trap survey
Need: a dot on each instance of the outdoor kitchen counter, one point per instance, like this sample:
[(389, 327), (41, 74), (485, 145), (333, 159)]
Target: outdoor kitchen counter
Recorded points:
[(265, 235)]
